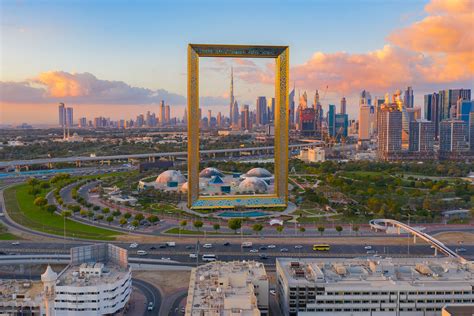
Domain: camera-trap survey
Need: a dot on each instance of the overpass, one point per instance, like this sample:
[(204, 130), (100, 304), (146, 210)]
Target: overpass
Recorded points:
[(151, 156), (382, 224)]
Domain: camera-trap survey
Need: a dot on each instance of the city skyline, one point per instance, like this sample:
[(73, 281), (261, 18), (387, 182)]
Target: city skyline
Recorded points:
[(391, 56)]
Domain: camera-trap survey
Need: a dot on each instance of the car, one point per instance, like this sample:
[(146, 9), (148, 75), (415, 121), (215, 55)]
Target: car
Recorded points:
[(371, 252), (2, 253), (227, 243), (271, 246), (263, 248), (15, 243), (182, 310), (151, 306), (189, 247), (152, 248), (298, 247), (253, 250), (263, 256), (161, 246), (142, 253), (273, 292), (207, 246), (368, 247), (461, 250), (284, 250), (165, 258), (193, 255), (133, 245)]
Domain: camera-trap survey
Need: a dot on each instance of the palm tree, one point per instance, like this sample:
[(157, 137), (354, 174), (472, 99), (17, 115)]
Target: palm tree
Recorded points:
[(321, 229), (216, 227), (257, 228), (279, 229)]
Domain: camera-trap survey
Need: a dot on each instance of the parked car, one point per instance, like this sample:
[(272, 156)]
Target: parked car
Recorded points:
[(284, 250), (133, 245), (207, 246)]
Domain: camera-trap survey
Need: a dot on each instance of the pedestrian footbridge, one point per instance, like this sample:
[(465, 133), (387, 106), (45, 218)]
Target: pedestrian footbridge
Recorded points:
[(383, 224)]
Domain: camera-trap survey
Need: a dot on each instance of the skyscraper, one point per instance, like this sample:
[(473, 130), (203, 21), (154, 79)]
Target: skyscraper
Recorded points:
[(291, 101), (432, 110), (366, 116), (261, 107), (331, 119), (271, 111), (167, 114), (235, 115), (471, 131), (409, 98), (161, 113), (449, 98), (452, 136), (341, 126), (219, 119), (82, 122), (389, 127), (422, 136), (464, 107), (231, 95), (245, 122), (69, 117), (61, 114), (343, 109)]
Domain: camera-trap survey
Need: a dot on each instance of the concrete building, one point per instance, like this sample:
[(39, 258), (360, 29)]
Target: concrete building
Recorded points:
[(389, 127), (432, 110), (471, 131), (452, 137), (237, 288), (343, 108), (408, 98), (375, 287), (312, 155), (61, 114), (422, 136), (262, 111), (98, 281)]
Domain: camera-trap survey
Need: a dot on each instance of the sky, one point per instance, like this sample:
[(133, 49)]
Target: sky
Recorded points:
[(120, 58)]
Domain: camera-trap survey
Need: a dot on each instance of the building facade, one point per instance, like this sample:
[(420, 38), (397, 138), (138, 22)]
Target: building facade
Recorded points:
[(389, 128), (452, 137), (422, 136)]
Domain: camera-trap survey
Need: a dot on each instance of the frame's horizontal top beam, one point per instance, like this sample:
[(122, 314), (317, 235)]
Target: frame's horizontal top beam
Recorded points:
[(242, 51)]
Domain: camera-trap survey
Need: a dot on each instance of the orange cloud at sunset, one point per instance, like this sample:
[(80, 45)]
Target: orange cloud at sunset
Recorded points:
[(61, 84)]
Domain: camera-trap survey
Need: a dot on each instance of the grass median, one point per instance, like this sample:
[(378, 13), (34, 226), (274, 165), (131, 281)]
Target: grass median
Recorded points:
[(20, 207)]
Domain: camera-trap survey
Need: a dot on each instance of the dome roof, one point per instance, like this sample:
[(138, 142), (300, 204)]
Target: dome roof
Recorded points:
[(258, 173), (49, 275), (170, 176), (253, 184), (210, 172)]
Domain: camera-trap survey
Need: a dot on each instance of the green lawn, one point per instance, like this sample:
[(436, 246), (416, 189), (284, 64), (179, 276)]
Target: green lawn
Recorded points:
[(7, 236), (21, 209), (175, 230)]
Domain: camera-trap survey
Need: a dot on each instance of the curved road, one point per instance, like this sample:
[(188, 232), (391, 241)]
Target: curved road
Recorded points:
[(151, 293)]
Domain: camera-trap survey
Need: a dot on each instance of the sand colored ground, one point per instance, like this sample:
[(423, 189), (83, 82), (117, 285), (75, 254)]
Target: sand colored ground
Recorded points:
[(167, 282), (456, 237)]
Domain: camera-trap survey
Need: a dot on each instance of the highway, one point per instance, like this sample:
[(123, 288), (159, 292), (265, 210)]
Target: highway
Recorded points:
[(14, 163)]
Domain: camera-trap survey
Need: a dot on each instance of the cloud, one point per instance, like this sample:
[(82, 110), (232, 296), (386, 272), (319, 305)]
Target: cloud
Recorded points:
[(85, 88), (428, 54)]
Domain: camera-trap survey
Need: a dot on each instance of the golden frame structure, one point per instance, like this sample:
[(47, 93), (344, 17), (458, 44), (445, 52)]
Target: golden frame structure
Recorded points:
[(279, 197)]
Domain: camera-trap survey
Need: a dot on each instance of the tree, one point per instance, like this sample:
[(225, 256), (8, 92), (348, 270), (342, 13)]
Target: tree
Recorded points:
[(302, 230), (279, 229), (40, 201), (32, 182), (183, 224), (139, 217), (109, 219), (153, 219), (44, 185), (83, 213), (50, 208), (356, 229), (216, 227), (90, 214), (257, 228), (96, 207), (116, 213), (106, 210), (74, 208), (198, 224), (123, 221), (135, 223), (127, 215), (234, 224), (66, 213), (339, 229), (100, 217), (321, 229)]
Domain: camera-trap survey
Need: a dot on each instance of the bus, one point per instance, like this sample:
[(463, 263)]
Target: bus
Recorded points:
[(209, 257), (321, 247)]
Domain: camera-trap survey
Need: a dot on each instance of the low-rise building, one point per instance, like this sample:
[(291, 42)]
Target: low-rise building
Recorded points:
[(97, 281), (376, 287), (237, 288), (312, 155)]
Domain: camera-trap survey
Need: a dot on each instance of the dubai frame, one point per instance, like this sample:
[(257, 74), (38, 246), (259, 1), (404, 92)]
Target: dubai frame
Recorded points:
[(279, 198)]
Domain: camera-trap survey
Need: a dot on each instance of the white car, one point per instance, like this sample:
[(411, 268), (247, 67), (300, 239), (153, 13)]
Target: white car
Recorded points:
[(298, 247), (253, 250), (151, 306), (207, 246), (166, 259), (461, 250), (371, 252), (368, 247), (271, 246), (15, 243), (273, 292), (193, 255), (134, 245)]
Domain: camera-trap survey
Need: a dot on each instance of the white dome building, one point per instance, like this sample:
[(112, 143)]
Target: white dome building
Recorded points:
[(254, 185), (170, 176), (210, 172), (258, 173)]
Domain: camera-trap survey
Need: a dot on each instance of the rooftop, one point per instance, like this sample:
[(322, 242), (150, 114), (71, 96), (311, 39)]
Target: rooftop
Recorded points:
[(378, 273), (20, 292), (91, 274), (225, 288)]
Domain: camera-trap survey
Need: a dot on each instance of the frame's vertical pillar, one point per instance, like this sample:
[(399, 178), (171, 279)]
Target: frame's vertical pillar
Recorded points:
[(193, 126), (281, 121)]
